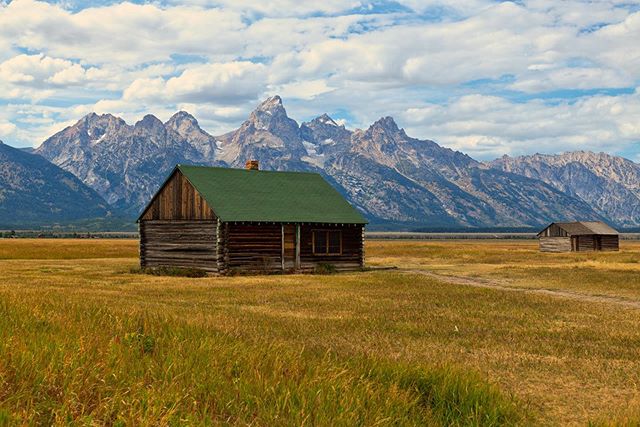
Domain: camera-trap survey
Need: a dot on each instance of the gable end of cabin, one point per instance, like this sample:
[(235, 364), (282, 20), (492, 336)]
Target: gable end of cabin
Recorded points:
[(178, 228)]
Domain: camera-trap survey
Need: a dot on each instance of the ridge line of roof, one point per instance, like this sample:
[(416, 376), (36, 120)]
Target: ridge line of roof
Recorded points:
[(180, 165)]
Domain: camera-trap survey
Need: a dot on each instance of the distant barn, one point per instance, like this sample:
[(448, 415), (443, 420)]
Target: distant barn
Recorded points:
[(578, 237), (223, 220)]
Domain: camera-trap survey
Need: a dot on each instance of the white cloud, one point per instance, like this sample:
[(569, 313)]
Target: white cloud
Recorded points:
[(216, 58), (38, 69), (571, 78), (307, 89), (284, 7), (7, 129), (123, 33), (488, 126), (222, 83)]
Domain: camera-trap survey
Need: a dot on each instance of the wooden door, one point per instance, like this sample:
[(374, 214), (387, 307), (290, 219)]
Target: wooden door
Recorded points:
[(574, 244), (288, 247)]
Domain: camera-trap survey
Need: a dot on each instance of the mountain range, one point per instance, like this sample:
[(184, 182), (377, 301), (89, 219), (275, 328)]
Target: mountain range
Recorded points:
[(33, 189), (397, 181)]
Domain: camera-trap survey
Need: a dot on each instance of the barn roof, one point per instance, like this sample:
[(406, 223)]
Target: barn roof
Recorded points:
[(581, 228), (270, 196)]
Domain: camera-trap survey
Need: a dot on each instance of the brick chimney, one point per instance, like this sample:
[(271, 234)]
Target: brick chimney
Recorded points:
[(252, 165)]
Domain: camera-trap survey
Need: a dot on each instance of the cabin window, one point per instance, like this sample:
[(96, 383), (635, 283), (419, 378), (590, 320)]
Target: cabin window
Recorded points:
[(327, 242)]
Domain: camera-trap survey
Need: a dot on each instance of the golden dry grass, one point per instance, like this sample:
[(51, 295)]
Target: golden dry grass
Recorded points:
[(75, 327), (592, 273)]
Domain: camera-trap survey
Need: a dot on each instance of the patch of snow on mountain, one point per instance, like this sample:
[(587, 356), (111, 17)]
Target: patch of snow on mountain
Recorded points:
[(99, 140), (328, 121), (310, 148), (312, 156)]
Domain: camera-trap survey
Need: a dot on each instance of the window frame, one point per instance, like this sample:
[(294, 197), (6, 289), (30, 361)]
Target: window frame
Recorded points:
[(327, 231)]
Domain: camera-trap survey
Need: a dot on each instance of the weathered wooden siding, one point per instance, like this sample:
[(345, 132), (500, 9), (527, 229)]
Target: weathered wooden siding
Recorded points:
[(585, 243), (253, 247), (555, 244), (352, 256), (179, 243), (610, 243), (597, 243), (178, 199), (553, 231)]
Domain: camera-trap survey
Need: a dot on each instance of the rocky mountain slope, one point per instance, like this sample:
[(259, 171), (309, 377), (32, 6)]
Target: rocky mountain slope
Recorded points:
[(608, 183), (34, 192), (393, 178), (123, 163)]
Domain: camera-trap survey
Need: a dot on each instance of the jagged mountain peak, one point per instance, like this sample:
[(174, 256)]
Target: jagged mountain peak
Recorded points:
[(273, 102), (389, 175), (181, 116), (580, 156), (149, 120), (385, 123), (610, 184), (271, 116), (93, 118), (325, 119), (183, 123)]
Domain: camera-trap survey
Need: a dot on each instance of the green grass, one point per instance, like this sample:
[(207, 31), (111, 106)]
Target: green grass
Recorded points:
[(85, 341), (82, 362)]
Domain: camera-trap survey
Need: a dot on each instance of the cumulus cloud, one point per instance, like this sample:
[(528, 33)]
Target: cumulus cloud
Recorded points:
[(123, 33), (285, 7), (38, 70), (7, 129), (488, 126), (221, 83), (473, 74)]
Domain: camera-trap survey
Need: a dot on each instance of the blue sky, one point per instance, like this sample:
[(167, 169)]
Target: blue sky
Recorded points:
[(484, 77)]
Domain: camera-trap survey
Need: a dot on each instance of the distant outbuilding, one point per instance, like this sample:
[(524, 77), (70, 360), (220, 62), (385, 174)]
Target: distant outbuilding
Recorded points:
[(578, 236), (223, 220)]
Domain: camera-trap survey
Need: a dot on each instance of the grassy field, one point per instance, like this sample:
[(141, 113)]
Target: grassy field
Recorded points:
[(84, 341)]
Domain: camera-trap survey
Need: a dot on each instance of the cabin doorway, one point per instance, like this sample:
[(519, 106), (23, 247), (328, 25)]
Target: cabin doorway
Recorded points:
[(288, 247), (574, 244)]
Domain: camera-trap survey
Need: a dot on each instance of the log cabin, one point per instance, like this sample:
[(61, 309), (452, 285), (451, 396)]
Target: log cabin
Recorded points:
[(224, 220), (578, 236)]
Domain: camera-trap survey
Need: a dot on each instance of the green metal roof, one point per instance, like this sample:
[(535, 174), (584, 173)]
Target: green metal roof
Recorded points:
[(270, 196)]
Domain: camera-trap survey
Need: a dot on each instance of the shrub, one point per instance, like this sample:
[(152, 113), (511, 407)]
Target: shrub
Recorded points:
[(171, 271), (324, 268)]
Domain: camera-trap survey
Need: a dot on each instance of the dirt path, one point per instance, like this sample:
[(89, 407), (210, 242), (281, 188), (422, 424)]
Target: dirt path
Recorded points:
[(505, 286)]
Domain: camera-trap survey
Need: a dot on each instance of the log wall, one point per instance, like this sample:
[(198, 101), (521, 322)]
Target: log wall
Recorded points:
[(610, 243), (352, 256), (227, 247), (555, 244), (179, 243), (585, 243), (598, 243), (253, 247), (178, 199)]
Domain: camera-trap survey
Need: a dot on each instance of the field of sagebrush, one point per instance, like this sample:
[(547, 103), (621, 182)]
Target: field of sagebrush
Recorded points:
[(84, 340)]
